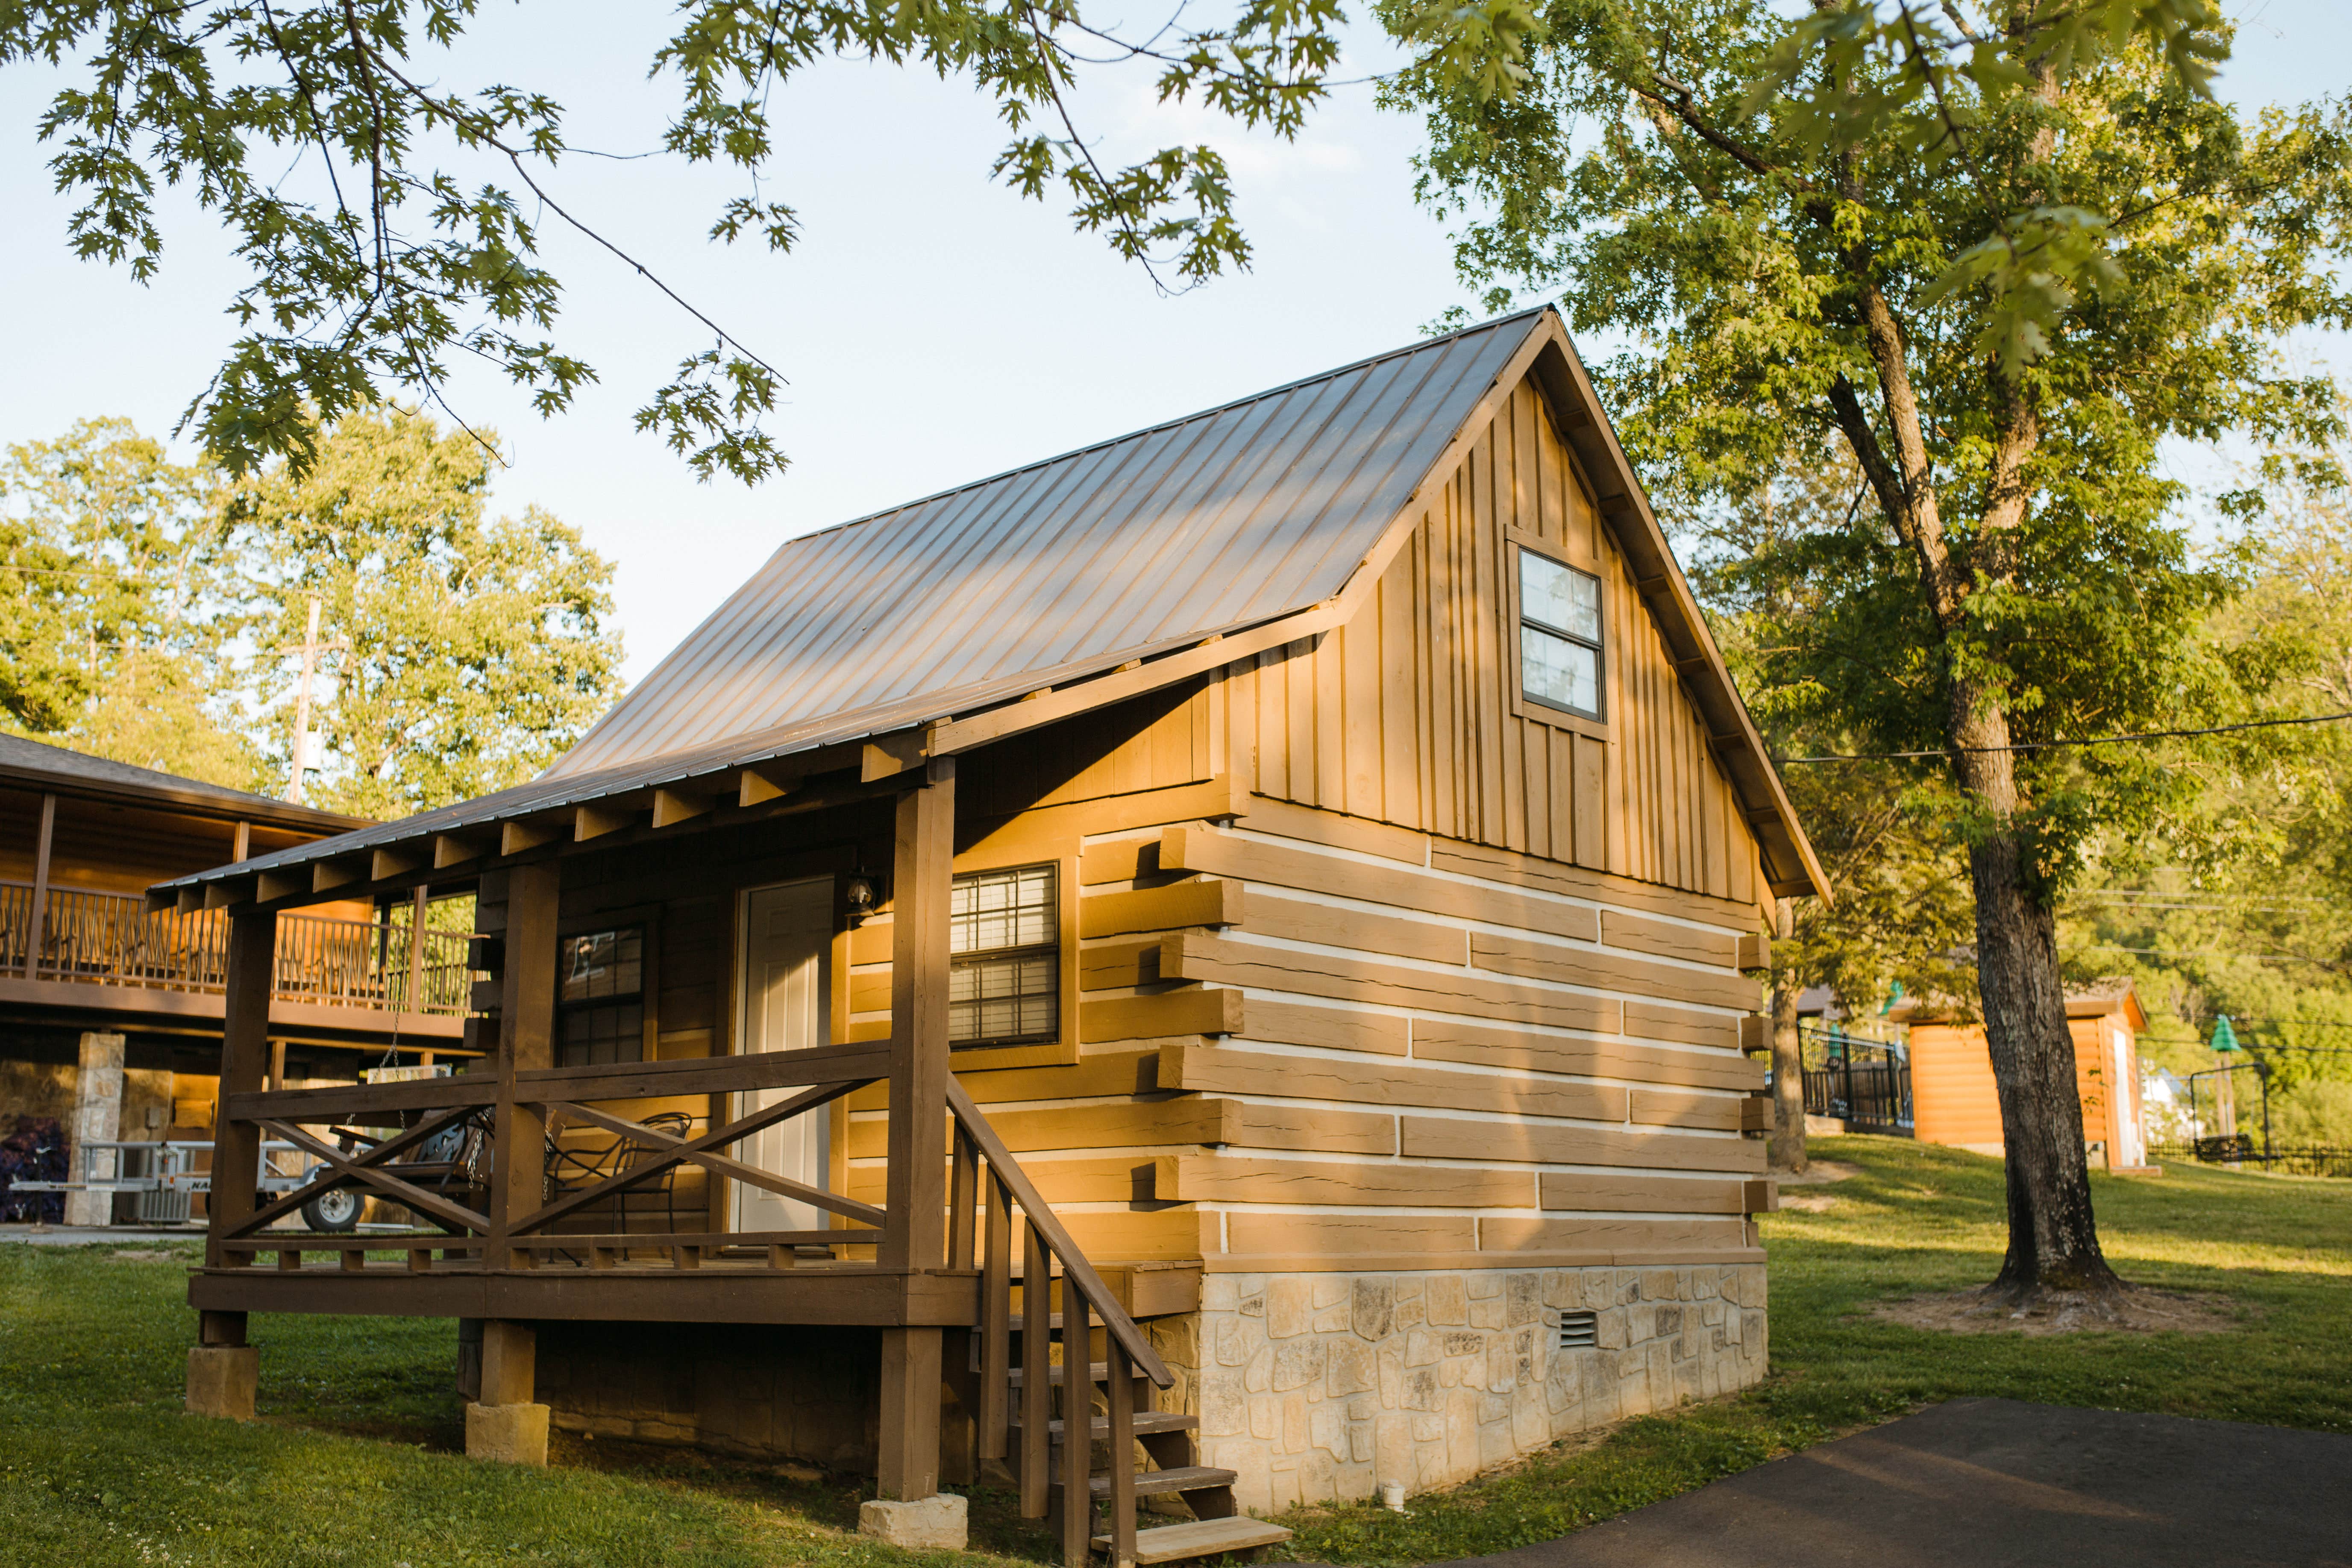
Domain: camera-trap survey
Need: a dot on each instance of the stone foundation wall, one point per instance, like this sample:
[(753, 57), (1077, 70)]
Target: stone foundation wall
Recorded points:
[(1315, 1387), (1312, 1387)]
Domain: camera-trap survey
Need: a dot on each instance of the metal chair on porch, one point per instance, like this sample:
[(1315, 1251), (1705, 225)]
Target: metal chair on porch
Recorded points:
[(570, 1167)]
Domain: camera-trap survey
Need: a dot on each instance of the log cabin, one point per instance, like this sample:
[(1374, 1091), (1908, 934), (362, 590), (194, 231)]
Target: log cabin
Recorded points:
[(111, 1015), (1240, 936)]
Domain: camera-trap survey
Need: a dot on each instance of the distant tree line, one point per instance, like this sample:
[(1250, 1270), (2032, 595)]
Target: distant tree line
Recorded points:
[(151, 611)]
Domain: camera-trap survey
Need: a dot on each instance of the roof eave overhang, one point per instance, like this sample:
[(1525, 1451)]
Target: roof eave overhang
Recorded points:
[(188, 803)]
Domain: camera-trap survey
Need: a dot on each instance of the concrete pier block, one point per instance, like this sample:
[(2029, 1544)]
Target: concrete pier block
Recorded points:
[(933, 1523), (222, 1380), (511, 1434)]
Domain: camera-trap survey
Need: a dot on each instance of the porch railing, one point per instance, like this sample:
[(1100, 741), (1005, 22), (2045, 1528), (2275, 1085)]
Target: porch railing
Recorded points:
[(113, 939), (1030, 1407)]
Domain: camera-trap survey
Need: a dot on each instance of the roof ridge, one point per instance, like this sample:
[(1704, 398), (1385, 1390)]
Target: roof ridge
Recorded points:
[(1141, 431)]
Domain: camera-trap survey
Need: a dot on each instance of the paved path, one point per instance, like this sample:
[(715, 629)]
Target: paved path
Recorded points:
[(83, 1235), (1994, 1483)]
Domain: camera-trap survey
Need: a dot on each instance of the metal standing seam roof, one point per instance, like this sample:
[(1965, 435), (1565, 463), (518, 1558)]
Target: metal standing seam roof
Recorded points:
[(1052, 572), (1220, 520), (1231, 518)]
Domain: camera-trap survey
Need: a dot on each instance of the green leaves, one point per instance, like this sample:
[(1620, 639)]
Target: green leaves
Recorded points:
[(142, 603), (395, 260), (2031, 274), (1479, 46), (1924, 82)]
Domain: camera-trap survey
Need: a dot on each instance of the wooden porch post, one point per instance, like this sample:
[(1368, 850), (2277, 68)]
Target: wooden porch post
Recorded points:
[(525, 1041), (416, 905), (37, 915), (506, 1422), (916, 1200), (223, 1370)]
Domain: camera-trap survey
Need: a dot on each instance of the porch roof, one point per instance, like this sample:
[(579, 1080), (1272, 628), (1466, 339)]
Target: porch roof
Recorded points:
[(1088, 578), (54, 770)]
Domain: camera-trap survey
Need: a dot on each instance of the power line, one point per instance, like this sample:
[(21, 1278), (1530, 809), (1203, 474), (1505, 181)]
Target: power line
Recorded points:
[(2205, 952), (2057, 745)]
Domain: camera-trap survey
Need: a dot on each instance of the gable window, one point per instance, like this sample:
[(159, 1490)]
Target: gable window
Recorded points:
[(1560, 634), (600, 1000), (1004, 968)]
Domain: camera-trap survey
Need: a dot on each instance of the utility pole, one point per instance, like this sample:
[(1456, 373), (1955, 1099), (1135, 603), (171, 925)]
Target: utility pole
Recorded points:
[(309, 648)]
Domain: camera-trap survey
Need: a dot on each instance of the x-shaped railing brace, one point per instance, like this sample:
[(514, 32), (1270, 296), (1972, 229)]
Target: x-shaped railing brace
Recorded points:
[(361, 1168), (700, 1151)]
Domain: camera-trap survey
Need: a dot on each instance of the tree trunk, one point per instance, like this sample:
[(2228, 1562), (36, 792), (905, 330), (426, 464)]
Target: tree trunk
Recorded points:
[(1786, 1149), (2053, 1242)]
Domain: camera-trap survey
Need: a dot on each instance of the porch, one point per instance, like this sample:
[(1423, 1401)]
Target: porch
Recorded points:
[(976, 1286)]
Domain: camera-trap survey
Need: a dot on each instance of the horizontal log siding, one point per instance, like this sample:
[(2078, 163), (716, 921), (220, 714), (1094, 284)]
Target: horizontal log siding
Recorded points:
[(1419, 1067), (1407, 714)]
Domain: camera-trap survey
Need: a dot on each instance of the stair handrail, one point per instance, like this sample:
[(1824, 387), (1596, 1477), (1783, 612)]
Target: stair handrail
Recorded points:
[(1075, 1270)]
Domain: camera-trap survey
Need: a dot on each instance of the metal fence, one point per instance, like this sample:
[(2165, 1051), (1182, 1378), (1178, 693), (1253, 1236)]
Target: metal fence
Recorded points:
[(2288, 1159), (1864, 1083), (113, 939)]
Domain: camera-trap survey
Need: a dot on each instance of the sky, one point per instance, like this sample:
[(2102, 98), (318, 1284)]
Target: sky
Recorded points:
[(934, 327)]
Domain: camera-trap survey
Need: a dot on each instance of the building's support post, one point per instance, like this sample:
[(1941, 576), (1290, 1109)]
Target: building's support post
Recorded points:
[(98, 1118), (245, 1058), (506, 1422), (415, 999), (223, 1370), (37, 917), (911, 1511)]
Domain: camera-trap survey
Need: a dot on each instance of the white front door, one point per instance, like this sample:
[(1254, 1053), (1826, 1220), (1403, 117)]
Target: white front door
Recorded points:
[(782, 1006)]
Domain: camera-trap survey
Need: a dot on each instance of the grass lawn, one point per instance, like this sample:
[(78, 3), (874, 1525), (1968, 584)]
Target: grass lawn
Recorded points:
[(355, 1460)]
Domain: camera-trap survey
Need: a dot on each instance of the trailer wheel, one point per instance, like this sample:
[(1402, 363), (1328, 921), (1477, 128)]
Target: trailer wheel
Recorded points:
[(333, 1212)]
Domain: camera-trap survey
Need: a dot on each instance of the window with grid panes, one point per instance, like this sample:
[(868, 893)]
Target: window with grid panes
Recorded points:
[(1004, 968), (1560, 634), (600, 1004)]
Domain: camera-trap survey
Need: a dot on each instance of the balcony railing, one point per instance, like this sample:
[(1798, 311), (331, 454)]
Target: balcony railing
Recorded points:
[(113, 939)]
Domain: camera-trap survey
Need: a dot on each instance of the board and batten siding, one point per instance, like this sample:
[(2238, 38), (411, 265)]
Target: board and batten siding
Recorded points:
[(1408, 712)]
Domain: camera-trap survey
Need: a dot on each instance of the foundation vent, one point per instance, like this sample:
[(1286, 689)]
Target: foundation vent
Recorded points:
[(1579, 1332)]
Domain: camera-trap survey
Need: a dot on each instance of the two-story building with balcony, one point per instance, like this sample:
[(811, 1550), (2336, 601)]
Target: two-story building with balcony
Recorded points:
[(111, 1015)]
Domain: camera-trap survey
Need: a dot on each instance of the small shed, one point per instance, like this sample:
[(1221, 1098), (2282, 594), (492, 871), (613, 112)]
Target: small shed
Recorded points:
[(1307, 860), (1954, 1102)]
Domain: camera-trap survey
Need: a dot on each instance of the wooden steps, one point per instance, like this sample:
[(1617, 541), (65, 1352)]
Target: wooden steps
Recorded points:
[(1160, 1483), (1058, 1375), (1080, 1435), (1200, 1538), (1147, 1423)]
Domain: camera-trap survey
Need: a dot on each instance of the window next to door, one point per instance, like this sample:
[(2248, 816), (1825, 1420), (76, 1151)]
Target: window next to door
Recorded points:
[(600, 997), (1560, 634), (1005, 971)]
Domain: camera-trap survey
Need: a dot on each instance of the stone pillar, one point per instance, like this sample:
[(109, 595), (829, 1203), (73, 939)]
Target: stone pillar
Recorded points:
[(223, 1370), (504, 1423), (98, 1118)]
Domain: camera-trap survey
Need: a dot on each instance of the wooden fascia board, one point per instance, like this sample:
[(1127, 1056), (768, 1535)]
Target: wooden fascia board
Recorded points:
[(1585, 426), (293, 887), (957, 735), (1441, 471)]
